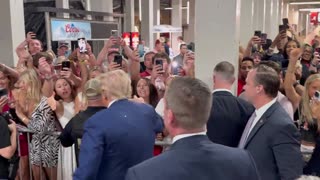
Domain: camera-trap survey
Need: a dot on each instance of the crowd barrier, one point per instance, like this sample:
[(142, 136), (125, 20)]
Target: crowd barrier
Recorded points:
[(21, 129), (29, 133)]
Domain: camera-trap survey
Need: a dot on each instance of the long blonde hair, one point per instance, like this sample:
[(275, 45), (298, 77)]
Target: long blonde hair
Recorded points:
[(33, 93), (306, 109)]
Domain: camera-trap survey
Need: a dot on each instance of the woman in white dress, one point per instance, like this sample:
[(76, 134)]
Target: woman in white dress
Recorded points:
[(64, 107)]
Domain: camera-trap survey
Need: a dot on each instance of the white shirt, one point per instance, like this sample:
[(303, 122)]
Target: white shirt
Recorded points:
[(259, 112), (181, 136), (219, 90), (112, 102)]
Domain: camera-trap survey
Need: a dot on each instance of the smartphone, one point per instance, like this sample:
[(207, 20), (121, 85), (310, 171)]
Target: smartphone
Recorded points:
[(175, 68), (65, 64), (264, 38), (118, 59), (82, 45), (3, 92), (114, 33), (282, 28), (285, 22), (317, 50), (159, 62), (317, 95), (257, 33)]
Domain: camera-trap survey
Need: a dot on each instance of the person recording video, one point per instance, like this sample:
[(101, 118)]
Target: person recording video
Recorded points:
[(8, 145)]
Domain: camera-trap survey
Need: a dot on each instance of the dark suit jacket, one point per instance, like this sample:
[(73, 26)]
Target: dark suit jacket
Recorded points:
[(228, 118), (274, 143), (117, 138), (196, 158)]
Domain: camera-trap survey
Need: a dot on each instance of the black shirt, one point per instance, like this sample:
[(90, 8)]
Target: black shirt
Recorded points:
[(74, 128), (4, 142)]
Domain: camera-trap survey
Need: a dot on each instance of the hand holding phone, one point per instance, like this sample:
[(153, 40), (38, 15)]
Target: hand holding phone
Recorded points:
[(66, 64), (82, 45), (257, 33), (285, 22), (30, 35), (118, 59), (160, 63)]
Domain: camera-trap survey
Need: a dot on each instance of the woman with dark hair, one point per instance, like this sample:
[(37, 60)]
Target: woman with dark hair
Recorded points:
[(146, 90), (290, 45), (64, 107)]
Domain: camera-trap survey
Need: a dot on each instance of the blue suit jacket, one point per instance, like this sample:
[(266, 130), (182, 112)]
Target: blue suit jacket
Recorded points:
[(197, 158), (116, 139), (228, 118), (274, 143)]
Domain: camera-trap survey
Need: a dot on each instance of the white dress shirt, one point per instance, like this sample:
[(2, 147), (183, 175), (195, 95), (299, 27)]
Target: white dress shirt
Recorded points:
[(221, 90), (112, 102), (181, 136), (259, 112)]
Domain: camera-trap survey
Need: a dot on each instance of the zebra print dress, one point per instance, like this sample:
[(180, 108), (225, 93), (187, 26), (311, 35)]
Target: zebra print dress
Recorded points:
[(43, 148)]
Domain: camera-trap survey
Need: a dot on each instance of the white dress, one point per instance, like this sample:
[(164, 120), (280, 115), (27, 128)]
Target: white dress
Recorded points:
[(67, 157)]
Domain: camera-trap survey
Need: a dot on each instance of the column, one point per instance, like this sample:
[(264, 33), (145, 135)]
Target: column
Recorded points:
[(217, 31), (12, 30), (62, 4), (156, 18), (102, 6), (246, 21), (150, 16), (259, 15), (189, 35), (285, 10), (129, 16), (176, 21), (271, 18)]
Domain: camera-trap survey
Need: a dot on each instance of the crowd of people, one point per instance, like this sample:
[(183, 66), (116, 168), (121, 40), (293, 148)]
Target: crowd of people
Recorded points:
[(109, 110)]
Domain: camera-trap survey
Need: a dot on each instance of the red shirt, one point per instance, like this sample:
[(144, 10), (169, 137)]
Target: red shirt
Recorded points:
[(241, 84), (144, 74)]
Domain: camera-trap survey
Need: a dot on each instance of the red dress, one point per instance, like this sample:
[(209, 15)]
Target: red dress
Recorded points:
[(22, 136)]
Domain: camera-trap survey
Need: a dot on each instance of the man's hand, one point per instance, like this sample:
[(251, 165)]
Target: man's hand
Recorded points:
[(111, 42), (254, 40), (44, 67), (114, 66), (30, 36)]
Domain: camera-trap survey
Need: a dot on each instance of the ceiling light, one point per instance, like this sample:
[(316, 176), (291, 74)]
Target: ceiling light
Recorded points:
[(310, 9), (304, 3)]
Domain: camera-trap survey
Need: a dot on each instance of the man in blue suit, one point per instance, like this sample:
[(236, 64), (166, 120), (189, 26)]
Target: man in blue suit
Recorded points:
[(192, 156), (118, 137), (270, 135)]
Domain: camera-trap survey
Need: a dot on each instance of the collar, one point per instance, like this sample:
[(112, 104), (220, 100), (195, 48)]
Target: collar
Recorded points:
[(181, 136), (112, 102), (219, 90), (264, 108)]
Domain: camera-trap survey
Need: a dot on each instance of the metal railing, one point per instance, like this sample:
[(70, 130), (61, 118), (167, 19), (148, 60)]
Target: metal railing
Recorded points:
[(22, 129)]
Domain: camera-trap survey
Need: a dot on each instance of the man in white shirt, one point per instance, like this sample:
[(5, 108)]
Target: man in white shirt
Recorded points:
[(187, 105), (270, 135)]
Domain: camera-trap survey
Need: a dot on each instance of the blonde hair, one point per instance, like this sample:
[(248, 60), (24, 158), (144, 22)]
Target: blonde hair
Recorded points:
[(116, 85), (33, 93), (306, 109)]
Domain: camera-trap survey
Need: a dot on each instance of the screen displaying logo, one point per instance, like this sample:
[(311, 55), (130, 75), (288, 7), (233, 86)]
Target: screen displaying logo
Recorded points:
[(69, 30)]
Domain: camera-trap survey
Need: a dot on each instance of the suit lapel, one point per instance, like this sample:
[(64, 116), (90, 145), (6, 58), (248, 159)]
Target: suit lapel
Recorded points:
[(261, 122)]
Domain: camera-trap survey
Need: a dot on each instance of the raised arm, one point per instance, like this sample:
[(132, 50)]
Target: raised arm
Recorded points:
[(290, 80), (45, 71), (252, 41), (104, 51)]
